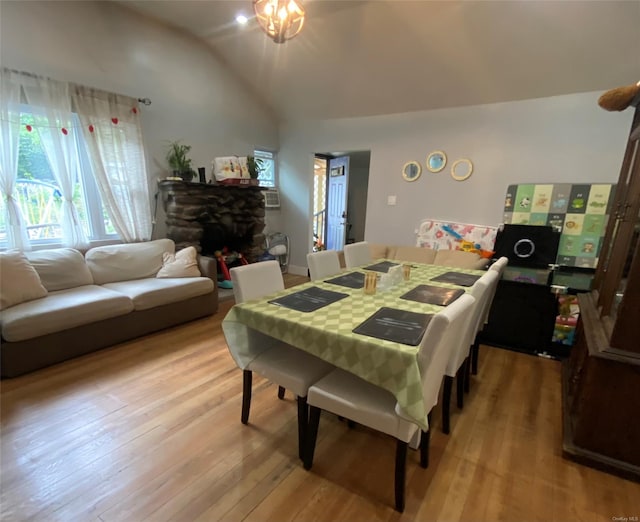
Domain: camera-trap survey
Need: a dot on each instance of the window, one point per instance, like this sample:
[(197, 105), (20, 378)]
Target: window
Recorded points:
[(38, 194), (267, 176)]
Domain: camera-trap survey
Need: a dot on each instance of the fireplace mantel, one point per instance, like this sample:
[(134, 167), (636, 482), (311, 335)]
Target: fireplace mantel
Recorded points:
[(210, 217)]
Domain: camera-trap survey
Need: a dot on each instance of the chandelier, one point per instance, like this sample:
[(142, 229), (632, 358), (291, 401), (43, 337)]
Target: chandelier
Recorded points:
[(280, 19)]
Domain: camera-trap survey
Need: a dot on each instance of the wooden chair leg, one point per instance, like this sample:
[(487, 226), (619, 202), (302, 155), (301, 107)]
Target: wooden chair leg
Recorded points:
[(460, 385), (247, 376), (312, 434), (280, 392), (446, 404), (303, 422), (467, 375), (474, 357), (401, 469), (425, 438)]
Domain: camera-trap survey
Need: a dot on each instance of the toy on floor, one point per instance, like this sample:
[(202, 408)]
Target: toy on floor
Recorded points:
[(226, 258)]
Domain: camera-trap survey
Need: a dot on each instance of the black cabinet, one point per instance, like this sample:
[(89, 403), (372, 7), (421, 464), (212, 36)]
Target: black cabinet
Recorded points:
[(522, 316), (524, 309)]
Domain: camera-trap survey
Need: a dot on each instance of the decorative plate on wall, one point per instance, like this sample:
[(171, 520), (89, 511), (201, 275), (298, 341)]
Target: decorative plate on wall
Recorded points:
[(411, 170), (436, 161)]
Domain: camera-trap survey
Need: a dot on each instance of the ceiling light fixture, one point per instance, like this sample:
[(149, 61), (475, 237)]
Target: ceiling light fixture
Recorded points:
[(280, 19)]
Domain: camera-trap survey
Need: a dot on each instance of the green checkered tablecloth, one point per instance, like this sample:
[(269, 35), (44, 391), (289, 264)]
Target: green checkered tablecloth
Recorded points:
[(254, 326)]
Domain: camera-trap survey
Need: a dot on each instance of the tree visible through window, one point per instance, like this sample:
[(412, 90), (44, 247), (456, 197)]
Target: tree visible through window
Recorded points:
[(39, 196), (267, 176)]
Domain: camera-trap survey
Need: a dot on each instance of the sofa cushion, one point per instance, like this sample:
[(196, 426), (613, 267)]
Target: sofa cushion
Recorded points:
[(460, 259), (19, 281), (60, 268), (62, 310), (152, 292), (415, 254), (127, 262), (181, 264)]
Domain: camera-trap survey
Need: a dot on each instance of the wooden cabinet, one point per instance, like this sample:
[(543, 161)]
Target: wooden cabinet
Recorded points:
[(601, 379)]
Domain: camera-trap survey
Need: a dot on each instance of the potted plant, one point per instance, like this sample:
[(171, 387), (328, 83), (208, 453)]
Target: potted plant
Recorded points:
[(178, 161), (255, 166)]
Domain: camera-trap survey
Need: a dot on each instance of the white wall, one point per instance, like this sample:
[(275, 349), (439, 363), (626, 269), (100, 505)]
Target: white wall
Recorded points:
[(194, 96), (559, 139)]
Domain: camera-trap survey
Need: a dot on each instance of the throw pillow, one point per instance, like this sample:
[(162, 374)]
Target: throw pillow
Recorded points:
[(181, 264), (19, 281)]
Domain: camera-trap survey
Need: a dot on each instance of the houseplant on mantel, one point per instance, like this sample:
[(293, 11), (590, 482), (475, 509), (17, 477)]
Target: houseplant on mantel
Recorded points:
[(255, 166), (178, 161)]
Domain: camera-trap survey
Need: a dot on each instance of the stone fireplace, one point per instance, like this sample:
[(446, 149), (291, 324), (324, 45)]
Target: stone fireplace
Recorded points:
[(211, 217)]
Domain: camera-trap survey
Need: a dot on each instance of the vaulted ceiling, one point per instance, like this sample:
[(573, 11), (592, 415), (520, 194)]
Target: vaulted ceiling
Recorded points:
[(363, 58)]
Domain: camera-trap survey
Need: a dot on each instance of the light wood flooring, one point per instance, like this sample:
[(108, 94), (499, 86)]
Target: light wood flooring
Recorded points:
[(150, 430)]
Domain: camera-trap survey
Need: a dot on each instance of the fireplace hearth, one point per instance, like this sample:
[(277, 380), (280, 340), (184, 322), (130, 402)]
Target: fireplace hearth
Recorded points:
[(211, 217)]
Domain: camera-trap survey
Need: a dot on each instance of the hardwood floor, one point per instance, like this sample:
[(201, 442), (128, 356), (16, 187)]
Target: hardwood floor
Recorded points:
[(150, 430)]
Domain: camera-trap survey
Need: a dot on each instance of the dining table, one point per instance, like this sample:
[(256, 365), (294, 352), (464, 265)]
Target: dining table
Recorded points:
[(328, 331)]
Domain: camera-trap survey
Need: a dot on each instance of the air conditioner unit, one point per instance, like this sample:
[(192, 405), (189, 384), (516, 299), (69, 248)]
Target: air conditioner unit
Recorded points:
[(271, 198)]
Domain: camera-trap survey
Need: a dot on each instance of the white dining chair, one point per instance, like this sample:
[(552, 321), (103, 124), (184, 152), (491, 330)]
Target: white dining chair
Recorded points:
[(499, 266), (282, 364), (459, 359), (357, 254), (348, 396), (323, 264)]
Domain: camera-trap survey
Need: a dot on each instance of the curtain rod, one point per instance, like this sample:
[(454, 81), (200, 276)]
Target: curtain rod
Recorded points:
[(143, 101)]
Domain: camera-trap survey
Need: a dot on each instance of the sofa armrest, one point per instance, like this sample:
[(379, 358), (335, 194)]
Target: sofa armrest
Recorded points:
[(208, 267)]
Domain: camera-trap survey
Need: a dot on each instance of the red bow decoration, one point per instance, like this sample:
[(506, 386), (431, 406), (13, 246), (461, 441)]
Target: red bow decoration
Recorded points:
[(115, 121)]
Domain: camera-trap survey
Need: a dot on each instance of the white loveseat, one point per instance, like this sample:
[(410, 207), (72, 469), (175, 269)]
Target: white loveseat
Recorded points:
[(106, 296)]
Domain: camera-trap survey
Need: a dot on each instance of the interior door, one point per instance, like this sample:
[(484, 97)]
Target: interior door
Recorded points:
[(337, 190)]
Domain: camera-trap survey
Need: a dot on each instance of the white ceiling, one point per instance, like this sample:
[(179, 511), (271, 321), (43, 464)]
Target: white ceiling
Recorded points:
[(362, 58)]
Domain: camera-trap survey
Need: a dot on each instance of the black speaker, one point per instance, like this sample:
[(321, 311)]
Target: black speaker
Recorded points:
[(201, 173), (528, 245)]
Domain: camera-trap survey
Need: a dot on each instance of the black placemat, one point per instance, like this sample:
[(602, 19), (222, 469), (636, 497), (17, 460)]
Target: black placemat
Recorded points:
[(350, 280), (456, 278), (309, 300), (382, 266), (436, 295), (395, 325)]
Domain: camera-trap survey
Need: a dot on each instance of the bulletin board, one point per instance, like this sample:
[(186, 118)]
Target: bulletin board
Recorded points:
[(580, 211)]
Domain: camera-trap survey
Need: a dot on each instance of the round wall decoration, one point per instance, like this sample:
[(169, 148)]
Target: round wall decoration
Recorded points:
[(461, 169), (411, 170), (436, 161)]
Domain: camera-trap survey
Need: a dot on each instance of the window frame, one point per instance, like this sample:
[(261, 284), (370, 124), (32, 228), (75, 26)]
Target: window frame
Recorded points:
[(268, 155), (91, 200)]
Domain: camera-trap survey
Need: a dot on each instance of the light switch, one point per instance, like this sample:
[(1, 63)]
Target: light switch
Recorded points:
[(391, 200)]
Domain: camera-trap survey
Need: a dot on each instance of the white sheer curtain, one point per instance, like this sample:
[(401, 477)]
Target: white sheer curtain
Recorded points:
[(50, 103), (16, 229), (112, 130)]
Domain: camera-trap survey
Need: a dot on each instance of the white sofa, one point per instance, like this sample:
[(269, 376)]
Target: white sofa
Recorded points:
[(106, 296)]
